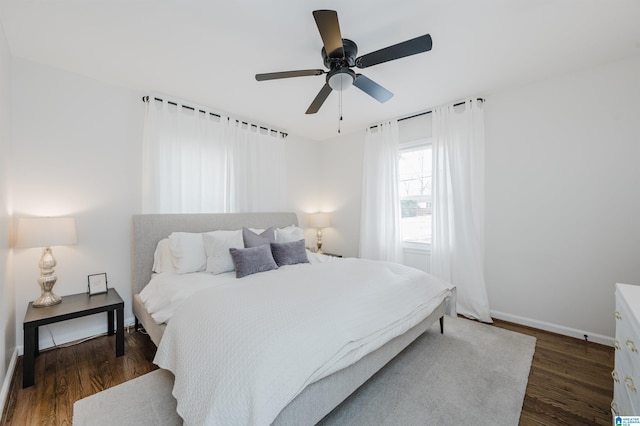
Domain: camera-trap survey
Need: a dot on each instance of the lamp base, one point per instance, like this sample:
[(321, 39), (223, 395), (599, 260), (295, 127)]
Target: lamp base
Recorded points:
[(47, 280), (319, 241), (47, 299)]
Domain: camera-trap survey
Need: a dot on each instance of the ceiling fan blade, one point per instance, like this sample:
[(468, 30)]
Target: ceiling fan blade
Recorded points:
[(319, 100), (397, 51), (327, 22), (372, 88), (287, 74)]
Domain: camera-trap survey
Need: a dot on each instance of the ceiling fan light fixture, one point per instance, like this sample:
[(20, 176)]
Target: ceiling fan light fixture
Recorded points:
[(341, 79)]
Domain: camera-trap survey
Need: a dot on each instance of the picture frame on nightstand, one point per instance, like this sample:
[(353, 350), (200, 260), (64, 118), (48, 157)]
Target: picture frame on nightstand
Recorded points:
[(97, 284)]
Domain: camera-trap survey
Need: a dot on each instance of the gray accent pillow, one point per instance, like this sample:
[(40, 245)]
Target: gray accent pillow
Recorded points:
[(252, 260), (251, 239), (289, 253)]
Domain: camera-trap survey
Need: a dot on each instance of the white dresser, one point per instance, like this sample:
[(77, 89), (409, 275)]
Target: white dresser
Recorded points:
[(626, 373)]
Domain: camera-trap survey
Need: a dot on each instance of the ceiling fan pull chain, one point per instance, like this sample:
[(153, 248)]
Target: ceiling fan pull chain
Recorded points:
[(340, 108)]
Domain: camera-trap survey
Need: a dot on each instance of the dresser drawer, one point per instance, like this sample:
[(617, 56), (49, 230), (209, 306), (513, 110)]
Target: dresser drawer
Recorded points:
[(627, 341), (626, 374), (627, 316), (621, 404)]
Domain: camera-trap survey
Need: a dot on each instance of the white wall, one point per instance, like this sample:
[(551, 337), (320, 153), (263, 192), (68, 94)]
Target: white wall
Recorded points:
[(303, 180), (76, 152), (341, 192), (7, 299), (563, 198)]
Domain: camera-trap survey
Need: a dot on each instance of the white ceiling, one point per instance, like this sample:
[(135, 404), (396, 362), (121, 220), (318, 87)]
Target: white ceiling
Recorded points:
[(208, 52)]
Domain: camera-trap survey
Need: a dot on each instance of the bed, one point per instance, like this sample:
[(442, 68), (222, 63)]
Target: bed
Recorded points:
[(317, 398)]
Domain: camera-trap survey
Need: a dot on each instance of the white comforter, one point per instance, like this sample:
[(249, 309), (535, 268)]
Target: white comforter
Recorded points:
[(242, 350)]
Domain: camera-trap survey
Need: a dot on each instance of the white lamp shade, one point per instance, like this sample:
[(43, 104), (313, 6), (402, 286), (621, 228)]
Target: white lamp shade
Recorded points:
[(319, 220), (46, 232)]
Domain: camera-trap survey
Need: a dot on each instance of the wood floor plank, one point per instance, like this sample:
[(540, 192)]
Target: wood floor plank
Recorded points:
[(543, 380), (587, 374), (569, 382), (45, 413), (67, 381)]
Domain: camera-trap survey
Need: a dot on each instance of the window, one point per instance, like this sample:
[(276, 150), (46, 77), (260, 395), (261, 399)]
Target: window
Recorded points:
[(415, 192)]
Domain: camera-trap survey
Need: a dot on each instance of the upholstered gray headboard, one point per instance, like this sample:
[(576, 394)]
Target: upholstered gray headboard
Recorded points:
[(148, 229)]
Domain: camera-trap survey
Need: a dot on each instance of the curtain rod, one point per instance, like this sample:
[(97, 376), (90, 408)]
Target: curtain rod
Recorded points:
[(282, 134), (427, 112)]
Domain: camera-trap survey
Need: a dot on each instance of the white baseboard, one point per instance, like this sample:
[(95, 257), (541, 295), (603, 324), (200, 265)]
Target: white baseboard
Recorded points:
[(554, 328), (6, 384)]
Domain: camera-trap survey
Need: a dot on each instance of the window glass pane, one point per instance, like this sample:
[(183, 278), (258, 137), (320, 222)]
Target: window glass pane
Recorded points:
[(415, 193)]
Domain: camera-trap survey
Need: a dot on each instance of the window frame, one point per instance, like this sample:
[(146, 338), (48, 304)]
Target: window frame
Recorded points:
[(414, 145)]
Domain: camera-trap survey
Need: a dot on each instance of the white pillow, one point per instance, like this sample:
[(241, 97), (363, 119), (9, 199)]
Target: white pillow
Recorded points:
[(188, 252), (289, 234), (162, 257), (217, 245)]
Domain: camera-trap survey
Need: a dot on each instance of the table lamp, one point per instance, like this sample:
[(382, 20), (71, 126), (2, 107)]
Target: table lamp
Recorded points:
[(46, 232), (319, 221)]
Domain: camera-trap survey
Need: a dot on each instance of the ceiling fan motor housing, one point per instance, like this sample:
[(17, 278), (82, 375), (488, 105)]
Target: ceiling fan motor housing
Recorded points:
[(341, 77), (349, 60)]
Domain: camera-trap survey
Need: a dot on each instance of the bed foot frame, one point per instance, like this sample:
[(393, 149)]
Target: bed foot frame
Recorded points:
[(321, 397)]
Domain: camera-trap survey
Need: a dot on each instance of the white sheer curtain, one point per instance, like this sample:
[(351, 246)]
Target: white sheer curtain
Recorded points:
[(380, 236), (457, 250), (256, 169), (197, 162), (184, 164)]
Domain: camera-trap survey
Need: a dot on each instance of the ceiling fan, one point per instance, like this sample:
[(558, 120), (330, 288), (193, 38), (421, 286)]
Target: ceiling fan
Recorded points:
[(339, 55)]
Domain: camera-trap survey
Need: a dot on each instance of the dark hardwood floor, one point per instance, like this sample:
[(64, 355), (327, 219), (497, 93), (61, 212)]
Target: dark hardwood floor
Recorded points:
[(569, 382), (68, 374)]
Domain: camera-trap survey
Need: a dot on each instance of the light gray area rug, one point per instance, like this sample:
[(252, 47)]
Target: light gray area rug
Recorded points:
[(473, 374), (143, 401)]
